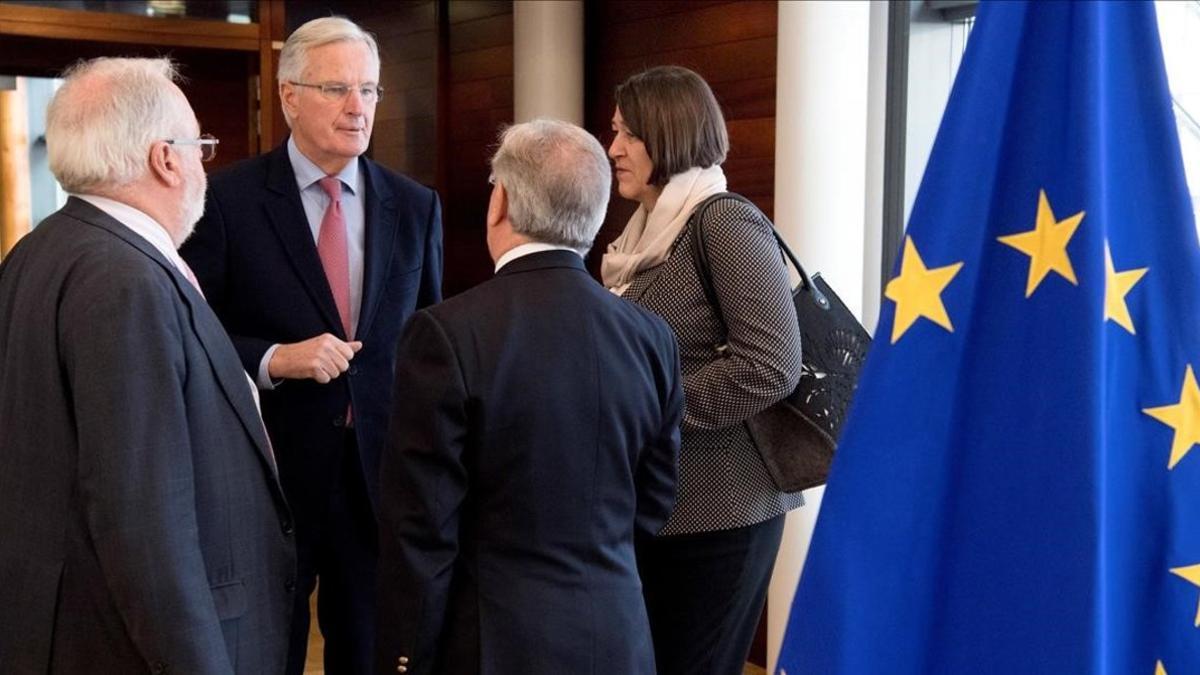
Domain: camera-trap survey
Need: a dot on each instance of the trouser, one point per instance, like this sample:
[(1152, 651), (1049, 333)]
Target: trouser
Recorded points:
[(340, 551), (704, 595)]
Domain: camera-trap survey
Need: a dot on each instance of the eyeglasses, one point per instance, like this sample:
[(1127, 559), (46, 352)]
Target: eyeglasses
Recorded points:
[(207, 143), (336, 91)]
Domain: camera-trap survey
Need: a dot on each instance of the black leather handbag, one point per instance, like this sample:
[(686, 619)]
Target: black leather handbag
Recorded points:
[(796, 437)]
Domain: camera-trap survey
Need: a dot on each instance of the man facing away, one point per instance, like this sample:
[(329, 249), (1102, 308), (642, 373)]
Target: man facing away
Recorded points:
[(534, 428), (314, 256), (142, 528)]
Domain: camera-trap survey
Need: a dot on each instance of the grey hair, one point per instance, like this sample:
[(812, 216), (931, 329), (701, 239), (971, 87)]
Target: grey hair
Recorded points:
[(293, 60), (103, 119), (557, 179)]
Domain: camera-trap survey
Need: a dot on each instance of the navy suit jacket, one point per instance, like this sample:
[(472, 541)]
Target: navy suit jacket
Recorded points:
[(535, 426), (142, 527), (257, 262)]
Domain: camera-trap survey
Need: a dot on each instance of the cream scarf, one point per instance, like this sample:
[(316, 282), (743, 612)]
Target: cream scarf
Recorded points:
[(647, 238)]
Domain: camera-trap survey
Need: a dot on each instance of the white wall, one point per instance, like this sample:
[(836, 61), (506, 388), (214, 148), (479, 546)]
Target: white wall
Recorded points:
[(828, 150)]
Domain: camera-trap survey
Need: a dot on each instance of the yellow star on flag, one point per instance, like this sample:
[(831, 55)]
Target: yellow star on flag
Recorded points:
[(1116, 286), (1184, 417), (1159, 670), (1192, 574), (1046, 245), (917, 291)]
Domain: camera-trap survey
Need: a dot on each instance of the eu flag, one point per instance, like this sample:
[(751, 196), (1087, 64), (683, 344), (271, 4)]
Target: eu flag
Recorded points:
[(1018, 485)]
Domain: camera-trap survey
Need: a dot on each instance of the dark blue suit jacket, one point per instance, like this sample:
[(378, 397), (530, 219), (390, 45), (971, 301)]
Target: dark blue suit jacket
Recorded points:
[(536, 425), (256, 259), (142, 527)]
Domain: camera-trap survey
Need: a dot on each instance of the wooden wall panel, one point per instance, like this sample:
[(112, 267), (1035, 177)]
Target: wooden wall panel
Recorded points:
[(629, 11), (731, 44), (480, 30), (690, 25), (479, 84), (272, 127), (218, 88), (68, 23), (406, 123)]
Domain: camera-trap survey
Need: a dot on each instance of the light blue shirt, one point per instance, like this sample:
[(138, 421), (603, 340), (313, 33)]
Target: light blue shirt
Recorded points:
[(315, 202)]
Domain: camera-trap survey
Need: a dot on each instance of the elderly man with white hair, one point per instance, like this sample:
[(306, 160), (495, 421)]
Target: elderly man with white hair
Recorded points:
[(314, 256), (535, 429), (142, 526)]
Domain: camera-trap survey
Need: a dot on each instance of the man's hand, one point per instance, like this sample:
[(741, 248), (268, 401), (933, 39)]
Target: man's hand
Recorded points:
[(321, 358)]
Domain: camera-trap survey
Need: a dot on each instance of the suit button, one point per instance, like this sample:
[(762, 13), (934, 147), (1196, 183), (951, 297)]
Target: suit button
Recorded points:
[(288, 528), (339, 421), (290, 585), (161, 668), (353, 370)]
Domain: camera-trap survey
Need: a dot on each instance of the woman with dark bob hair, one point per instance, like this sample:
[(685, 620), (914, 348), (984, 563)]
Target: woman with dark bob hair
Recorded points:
[(705, 575)]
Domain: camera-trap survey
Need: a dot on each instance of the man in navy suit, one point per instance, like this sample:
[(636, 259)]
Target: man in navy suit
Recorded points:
[(314, 257), (535, 427)]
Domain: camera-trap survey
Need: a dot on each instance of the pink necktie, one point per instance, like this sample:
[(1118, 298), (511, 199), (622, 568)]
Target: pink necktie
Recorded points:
[(331, 247), (335, 258), (191, 276)]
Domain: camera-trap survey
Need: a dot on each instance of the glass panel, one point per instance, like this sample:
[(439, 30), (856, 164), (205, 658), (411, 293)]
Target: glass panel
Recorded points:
[(935, 50), (230, 11), (1179, 25), (46, 195), (29, 192)]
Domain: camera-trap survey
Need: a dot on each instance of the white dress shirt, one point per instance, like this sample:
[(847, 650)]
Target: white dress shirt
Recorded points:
[(528, 249), (142, 225)]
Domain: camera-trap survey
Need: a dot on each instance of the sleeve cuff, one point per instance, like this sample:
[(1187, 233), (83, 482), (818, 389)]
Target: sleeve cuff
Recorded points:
[(264, 380)]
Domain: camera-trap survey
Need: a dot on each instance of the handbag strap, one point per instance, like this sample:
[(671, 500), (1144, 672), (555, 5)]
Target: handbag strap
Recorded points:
[(700, 254)]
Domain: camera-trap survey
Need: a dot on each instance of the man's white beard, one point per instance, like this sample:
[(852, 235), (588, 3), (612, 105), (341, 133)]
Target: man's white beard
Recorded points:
[(192, 208)]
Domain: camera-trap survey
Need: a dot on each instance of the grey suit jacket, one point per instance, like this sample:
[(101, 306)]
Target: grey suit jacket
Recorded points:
[(142, 528), (723, 483)]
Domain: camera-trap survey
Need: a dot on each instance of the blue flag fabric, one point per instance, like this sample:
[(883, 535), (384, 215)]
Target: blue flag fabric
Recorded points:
[(1018, 488)]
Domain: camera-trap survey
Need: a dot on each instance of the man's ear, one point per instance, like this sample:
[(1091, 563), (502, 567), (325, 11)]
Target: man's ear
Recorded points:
[(165, 164), (497, 205), (287, 99)]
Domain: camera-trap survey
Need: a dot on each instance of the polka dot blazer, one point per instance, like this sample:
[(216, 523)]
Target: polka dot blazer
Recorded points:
[(723, 483)]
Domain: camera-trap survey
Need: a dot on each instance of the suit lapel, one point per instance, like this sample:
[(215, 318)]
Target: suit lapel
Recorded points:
[(232, 378), (208, 330), (291, 226), (381, 231)]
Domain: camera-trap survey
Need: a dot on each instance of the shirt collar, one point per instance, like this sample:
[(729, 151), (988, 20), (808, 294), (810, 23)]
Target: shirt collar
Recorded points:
[(140, 223), (308, 173), (529, 249)]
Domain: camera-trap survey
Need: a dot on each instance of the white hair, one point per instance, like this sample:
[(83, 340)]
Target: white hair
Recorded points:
[(557, 179), (293, 60), (101, 122)]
